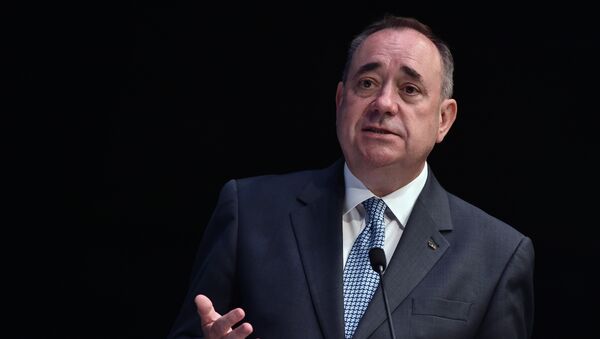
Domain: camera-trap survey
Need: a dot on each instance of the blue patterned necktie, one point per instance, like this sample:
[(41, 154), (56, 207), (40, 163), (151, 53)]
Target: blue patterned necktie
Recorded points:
[(360, 281)]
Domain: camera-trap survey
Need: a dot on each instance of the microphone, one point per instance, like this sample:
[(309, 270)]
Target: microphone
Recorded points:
[(378, 262)]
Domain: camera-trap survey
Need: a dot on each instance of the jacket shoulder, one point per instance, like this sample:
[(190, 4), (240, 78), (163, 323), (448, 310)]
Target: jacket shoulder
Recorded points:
[(465, 213)]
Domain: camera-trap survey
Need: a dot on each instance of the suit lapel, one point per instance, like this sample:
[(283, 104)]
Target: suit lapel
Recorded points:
[(317, 227), (420, 247)]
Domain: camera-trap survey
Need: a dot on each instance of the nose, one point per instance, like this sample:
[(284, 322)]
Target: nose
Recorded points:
[(386, 101)]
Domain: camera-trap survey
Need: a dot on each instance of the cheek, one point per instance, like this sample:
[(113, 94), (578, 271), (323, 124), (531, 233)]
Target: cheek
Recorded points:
[(349, 116), (434, 126), (347, 120), (345, 129), (423, 128), (341, 125)]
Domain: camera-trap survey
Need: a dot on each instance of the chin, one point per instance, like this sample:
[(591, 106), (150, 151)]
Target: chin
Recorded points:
[(380, 159)]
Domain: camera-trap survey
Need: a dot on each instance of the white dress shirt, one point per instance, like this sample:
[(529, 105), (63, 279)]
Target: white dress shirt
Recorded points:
[(399, 206)]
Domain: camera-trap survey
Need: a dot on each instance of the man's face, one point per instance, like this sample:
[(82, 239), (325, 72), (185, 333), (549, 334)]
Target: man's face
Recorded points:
[(389, 110)]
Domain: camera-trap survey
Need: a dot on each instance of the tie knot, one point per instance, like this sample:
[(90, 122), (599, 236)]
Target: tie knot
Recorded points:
[(375, 209)]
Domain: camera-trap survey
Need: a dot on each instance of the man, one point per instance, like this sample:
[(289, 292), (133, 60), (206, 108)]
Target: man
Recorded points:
[(279, 252)]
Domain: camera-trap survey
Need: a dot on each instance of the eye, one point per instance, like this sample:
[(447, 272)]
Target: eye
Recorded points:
[(366, 83), (411, 90), (366, 86)]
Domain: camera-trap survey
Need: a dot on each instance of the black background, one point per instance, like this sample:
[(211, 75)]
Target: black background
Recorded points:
[(132, 117)]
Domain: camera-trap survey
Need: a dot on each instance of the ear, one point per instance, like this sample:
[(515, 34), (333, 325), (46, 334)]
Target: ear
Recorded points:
[(339, 93), (448, 111)]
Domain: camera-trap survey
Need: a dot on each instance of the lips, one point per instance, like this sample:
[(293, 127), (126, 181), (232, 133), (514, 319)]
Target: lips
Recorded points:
[(377, 130)]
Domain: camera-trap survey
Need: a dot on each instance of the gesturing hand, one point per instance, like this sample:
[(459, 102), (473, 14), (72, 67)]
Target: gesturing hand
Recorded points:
[(216, 326)]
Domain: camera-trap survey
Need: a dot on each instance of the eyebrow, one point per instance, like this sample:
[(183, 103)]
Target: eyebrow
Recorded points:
[(411, 72), (368, 67)]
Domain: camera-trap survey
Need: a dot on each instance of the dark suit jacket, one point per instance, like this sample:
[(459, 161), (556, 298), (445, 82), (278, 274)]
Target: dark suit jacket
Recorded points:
[(274, 247)]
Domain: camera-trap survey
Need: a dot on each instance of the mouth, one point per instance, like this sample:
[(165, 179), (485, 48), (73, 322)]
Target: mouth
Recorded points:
[(377, 130)]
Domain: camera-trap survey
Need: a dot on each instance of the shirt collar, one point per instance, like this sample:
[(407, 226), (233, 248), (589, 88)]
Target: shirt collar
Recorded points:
[(400, 202)]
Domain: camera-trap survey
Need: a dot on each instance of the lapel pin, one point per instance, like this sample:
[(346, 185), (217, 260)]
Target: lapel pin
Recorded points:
[(432, 244)]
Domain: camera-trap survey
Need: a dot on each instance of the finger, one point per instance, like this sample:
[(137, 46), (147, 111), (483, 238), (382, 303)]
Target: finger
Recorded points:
[(206, 310), (240, 332), (224, 324)]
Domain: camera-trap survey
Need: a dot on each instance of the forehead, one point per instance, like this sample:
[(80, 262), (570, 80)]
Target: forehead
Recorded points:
[(399, 47)]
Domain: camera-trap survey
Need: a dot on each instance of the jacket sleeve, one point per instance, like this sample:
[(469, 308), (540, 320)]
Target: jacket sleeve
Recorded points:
[(214, 267), (510, 312)]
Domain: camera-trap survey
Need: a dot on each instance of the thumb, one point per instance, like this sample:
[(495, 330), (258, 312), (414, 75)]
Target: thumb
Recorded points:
[(206, 311)]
